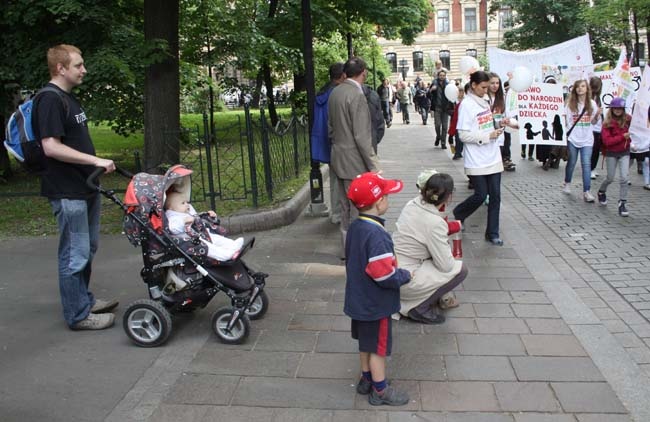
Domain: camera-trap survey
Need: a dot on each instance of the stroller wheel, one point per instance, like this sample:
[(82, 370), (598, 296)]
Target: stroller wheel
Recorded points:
[(147, 323), (239, 332), (259, 307)]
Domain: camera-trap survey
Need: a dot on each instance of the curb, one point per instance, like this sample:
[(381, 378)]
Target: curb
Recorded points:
[(284, 215)]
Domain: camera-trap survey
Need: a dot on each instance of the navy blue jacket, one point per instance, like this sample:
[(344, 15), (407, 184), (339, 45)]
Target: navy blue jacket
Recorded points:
[(320, 141), (372, 277)]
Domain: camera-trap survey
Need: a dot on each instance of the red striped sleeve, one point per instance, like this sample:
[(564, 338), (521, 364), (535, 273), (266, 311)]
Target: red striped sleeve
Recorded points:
[(381, 267)]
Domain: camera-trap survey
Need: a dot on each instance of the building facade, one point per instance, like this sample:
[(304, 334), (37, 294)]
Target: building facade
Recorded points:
[(456, 28)]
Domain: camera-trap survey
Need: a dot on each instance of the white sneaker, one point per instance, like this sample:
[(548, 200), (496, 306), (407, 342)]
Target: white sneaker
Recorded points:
[(95, 322), (588, 197), (567, 188), (593, 175)]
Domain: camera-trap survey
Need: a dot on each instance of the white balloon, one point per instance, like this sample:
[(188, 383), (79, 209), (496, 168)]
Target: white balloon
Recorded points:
[(468, 64), (451, 92), (522, 79)]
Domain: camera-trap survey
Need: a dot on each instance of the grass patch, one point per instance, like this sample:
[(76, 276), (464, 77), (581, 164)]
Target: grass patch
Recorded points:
[(32, 215)]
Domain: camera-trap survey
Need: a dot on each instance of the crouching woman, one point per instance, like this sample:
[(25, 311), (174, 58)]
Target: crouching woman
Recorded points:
[(422, 248)]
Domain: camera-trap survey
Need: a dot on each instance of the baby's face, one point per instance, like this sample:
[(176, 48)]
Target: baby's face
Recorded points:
[(178, 204)]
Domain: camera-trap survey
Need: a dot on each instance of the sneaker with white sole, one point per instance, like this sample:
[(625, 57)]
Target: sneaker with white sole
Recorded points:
[(588, 197), (102, 306), (622, 210), (593, 175), (95, 322), (602, 198), (566, 188)]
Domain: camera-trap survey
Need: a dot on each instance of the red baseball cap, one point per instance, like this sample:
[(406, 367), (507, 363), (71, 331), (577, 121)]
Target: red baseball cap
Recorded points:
[(367, 188)]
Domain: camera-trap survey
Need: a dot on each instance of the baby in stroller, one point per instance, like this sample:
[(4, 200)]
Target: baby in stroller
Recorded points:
[(182, 218)]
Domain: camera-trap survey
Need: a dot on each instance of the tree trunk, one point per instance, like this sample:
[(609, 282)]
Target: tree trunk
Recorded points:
[(268, 83), (162, 88)]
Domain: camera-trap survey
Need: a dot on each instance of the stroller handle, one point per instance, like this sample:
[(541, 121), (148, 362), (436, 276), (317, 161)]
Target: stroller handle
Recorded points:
[(92, 182)]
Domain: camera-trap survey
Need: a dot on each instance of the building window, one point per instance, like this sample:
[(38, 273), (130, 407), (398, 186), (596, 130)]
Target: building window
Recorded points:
[(445, 58), (470, 19), (392, 61), (443, 20), (505, 18), (418, 61)]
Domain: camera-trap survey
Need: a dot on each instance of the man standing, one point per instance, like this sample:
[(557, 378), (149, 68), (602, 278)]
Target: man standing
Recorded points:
[(386, 93), (440, 105), (350, 132), (61, 125), (320, 141)]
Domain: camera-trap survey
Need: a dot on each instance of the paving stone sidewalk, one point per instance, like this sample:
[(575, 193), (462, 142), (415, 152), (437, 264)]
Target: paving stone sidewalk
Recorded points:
[(525, 345)]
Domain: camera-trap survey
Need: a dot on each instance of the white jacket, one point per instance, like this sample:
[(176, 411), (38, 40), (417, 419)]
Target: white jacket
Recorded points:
[(421, 246)]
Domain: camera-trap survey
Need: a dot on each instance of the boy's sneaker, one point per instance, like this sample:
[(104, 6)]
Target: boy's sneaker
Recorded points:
[(390, 396), (365, 387), (588, 197), (102, 306), (602, 198), (622, 210), (95, 322), (567, 188)]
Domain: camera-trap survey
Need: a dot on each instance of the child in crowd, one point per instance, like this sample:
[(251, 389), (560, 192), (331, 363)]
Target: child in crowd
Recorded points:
[(181, 216), (581, 111), (616, 140), (372, 285), (453, 133)]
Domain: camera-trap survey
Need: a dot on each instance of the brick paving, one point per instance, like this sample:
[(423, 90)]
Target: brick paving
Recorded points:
[(512, 352)]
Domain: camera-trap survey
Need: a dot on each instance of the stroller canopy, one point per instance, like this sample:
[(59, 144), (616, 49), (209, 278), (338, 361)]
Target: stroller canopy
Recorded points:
[(146, 194)]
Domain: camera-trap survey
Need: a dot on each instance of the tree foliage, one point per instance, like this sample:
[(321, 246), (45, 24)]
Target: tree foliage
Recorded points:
[(109, 34)]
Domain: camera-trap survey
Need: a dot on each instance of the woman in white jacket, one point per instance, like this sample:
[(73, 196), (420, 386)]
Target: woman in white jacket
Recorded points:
[(421, 247), (480, 132)]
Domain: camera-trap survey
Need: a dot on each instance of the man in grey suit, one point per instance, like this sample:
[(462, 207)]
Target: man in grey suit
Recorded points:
[(350, 132)]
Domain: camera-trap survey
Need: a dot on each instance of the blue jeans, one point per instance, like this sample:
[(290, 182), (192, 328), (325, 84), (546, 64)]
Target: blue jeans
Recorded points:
[(78, 222), (585, 162), (489, 184)]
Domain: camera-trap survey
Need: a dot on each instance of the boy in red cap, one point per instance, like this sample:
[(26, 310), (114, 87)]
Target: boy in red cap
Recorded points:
[(372, 285)]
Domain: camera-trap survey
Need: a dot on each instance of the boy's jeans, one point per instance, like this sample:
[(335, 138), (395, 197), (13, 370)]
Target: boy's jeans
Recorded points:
[(585, 162), (78, 222)]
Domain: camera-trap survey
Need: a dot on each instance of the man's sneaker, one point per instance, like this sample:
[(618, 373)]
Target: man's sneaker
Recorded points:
[(602, 198), (588, 197), (390, 396), (593, 175), (646, 187), (622, 210), (567, 188), (95, 322), (102, 306)]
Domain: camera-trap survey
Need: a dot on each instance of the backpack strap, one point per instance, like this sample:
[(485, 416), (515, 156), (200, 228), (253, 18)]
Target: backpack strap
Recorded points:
[(66, 106)]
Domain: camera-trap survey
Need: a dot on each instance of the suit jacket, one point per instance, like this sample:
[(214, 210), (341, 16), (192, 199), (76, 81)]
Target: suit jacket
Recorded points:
[(349, 128)]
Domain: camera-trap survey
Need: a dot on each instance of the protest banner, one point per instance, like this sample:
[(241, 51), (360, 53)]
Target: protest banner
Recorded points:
[(566, 75), (613, 88), (540, 108), (640, 125), (573, 52)]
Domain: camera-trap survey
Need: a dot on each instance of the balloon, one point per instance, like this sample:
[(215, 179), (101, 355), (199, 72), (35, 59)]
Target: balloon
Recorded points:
[(522, 79), (451, 92), (468, 64)]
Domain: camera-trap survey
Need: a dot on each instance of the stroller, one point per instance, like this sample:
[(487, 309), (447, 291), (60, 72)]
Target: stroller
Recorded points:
[(179, 275)]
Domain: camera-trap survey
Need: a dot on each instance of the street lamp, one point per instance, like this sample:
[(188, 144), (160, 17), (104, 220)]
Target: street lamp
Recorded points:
[(404, 68)]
